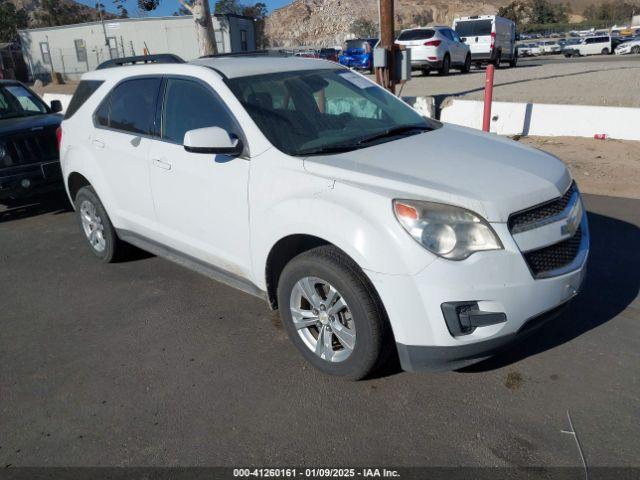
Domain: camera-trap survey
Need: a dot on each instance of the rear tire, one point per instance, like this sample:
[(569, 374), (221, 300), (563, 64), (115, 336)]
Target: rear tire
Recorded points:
[(605, 51), (514, 61), (97, 227), (636, 49), (497, 60), (446, 65), (466, 68), (425, 72), (356, 312)]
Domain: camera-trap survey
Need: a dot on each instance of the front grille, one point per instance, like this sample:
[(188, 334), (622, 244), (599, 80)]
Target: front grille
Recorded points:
[(521, 220), (31, 147), (554, 256)]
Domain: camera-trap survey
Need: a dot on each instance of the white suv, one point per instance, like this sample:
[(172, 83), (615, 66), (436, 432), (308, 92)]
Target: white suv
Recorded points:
[(436, 48), (371, 228)]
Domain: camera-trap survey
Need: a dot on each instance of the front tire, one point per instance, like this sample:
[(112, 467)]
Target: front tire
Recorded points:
[(97, 227), (332, 313), (605, 51), (636, 49)]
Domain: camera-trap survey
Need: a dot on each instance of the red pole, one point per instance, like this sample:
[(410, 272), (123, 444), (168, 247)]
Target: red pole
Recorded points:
[(488, 96)]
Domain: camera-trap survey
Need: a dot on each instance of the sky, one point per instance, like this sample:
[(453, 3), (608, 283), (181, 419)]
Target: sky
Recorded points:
[(167, 7)]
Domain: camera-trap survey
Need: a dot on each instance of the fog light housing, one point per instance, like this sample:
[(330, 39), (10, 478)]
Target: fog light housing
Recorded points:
[(462, 318)]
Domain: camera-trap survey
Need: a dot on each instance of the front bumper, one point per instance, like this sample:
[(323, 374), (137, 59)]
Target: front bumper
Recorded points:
[(498, 281), (23, 181)]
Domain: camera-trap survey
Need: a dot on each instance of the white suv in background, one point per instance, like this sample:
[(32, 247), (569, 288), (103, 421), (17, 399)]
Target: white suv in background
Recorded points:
[(435, 48), (595, 45), (372, 229)]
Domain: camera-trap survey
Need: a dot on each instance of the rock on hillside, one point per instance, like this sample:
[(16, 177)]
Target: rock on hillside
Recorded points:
[(328, 22)]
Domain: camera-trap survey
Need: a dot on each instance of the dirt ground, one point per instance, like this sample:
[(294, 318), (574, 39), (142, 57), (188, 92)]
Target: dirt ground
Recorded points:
[(601, 167)]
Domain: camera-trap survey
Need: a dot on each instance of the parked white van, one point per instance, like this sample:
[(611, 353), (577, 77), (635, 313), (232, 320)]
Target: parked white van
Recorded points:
[(491, 39)]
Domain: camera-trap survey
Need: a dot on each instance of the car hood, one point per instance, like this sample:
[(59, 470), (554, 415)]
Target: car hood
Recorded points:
[(490, 175), (21, 124)]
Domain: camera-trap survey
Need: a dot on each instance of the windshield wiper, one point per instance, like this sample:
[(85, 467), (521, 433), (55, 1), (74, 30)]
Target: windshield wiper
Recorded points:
[(391, 132), (329, 149)]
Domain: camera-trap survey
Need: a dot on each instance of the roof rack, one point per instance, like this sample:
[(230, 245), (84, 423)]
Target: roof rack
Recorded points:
[(257, 53), (159, 58)]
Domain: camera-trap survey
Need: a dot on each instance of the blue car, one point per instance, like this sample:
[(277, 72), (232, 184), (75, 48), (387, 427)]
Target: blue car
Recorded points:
[(358, 53)]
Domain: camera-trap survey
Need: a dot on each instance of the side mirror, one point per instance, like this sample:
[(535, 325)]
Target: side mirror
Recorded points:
[(56, 106), (212, 140)]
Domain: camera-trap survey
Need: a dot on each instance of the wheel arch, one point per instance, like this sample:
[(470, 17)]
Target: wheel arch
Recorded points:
[(75, 181), (282, 253)]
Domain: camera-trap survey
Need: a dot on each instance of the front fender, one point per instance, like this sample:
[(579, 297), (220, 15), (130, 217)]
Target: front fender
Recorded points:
[(361, 223)]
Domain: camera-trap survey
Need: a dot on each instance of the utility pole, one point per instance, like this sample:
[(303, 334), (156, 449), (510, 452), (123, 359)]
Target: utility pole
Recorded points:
[(386, 76)]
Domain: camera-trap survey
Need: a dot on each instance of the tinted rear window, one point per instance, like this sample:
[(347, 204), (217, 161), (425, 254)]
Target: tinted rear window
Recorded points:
[(131, 106), (362, 44), (83, 92), (473, 28), (418, 34)]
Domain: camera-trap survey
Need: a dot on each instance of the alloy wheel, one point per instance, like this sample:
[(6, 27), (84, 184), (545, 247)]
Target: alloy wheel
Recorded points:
[(322, 319), (92, 226)]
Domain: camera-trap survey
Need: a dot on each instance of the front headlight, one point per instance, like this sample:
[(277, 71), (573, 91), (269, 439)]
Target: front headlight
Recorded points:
[(448, 231)]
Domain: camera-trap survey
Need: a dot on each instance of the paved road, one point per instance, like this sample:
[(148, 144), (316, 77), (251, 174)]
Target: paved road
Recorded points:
[(146, 363), (603, 80), (551, 59)]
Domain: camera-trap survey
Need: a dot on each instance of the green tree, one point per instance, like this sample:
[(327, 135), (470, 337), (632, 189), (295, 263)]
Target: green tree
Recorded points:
[(518, 11), (11, 20), (228, 6), (258, 12), (364, 28)]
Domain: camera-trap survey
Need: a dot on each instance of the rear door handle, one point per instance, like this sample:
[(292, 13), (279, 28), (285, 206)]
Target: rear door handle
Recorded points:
[(163, 164), (98, 143)]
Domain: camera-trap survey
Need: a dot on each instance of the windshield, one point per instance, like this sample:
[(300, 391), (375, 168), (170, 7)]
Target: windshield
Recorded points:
[(416, 34), (473, 28), (17, 101), (324, 111), (357, 45)]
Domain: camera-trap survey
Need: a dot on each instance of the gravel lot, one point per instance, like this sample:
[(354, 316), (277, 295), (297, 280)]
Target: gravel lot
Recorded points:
[(598, 80), (146, 363)]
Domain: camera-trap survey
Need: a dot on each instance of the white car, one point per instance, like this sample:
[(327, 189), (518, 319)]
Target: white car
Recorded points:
[(436, 48), (491, 39), (631, 46), (371, 228), (528, 50), (550, 47), (594, 45)]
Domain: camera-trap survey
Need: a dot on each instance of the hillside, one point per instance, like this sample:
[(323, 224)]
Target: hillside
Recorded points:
[(68, 11), (328, 22)]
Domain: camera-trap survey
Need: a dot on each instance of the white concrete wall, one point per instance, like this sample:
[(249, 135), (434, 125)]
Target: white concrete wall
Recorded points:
[(545, 120)]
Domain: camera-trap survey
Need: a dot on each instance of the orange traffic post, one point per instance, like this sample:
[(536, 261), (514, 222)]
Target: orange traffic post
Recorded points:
[(488, 97)]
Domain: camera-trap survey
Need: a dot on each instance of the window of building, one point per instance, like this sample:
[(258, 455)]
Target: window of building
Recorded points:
[(244, 46), (44, 50), (81, 50), (113, 47)]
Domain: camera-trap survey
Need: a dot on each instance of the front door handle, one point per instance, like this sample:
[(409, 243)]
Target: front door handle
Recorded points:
[(163, 164), (98, 143)]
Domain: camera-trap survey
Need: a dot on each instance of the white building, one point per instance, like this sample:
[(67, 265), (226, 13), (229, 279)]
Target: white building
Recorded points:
[(72, 50)]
